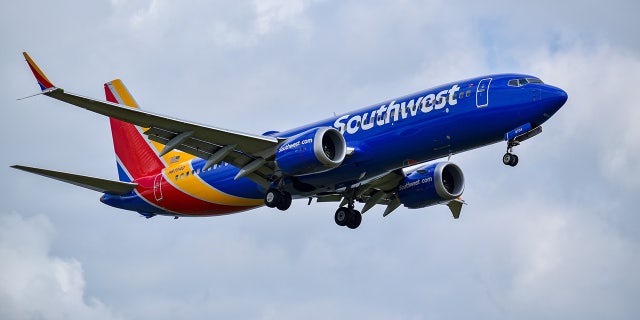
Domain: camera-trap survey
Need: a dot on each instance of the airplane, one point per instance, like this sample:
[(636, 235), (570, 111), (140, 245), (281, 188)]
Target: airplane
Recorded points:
[(376, 155)]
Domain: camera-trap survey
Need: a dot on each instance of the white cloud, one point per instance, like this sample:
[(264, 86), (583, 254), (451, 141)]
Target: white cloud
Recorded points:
[(36, 285), (600, 114), (270, 14)]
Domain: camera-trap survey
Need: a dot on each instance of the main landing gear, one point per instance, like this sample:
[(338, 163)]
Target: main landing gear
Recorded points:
[(509, 158), (275, 198), (349, 217), (345, 216)]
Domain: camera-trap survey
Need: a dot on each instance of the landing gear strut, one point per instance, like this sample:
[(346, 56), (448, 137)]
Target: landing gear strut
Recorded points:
[(348, 216), (275, 198), (509, 158)]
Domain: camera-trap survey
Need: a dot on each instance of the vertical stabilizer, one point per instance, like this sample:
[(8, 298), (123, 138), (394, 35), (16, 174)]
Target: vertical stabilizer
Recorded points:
[(134, 152)]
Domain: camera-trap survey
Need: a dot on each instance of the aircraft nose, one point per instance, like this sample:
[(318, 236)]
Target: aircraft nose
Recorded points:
[(553, 98), (556, 96)]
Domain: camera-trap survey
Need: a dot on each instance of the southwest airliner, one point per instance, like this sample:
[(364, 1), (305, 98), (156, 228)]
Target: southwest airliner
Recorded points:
[(377, 155)]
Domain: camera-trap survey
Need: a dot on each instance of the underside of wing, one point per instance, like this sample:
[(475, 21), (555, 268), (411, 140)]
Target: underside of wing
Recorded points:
[(248, 152), (214, 144)]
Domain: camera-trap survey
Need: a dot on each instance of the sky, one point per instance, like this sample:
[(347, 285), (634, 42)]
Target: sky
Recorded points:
[(555, 237)]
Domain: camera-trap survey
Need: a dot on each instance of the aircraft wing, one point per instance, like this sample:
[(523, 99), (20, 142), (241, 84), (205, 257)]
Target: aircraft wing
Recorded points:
[(245, 151), (96, 184)]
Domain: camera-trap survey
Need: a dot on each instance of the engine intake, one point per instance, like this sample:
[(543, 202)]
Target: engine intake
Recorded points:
[(432, 184), (313, 151)]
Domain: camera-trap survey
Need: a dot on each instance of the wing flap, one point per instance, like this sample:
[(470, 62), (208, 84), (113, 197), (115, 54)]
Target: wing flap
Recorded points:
[(204, 150), (96, 184)]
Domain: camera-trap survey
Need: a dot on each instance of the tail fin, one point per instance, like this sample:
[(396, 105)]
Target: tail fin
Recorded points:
[(135, 154)]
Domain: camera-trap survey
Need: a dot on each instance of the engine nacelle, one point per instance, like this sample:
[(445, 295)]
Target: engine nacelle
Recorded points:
[(313, 151), (431, 185)]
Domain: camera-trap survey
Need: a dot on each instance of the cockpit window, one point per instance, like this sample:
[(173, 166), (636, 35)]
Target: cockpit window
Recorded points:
[(523, 81)]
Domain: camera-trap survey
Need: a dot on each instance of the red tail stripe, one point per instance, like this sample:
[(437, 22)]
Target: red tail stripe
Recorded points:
[(131, 147), (177, 201)]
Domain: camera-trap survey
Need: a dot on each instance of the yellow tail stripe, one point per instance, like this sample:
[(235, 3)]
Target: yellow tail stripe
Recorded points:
[(193, 185), (124, 94)]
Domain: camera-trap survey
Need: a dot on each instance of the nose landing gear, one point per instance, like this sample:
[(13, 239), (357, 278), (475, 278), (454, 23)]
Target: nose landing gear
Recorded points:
[(514, 137), (509, 158)]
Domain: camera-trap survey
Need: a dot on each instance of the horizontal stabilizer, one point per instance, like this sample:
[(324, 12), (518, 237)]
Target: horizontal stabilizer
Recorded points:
[(96, 184)]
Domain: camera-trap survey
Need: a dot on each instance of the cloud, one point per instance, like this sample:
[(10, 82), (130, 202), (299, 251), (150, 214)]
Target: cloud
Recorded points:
[(555, 237), (153, 21), (565, 258), (600, 80), (36, 285), (272, 13)]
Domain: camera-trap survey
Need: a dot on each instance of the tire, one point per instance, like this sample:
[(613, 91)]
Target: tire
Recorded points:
[(285, 201), (272, 198), (342, 216), (514, 160), (355, 218), (507, 158)]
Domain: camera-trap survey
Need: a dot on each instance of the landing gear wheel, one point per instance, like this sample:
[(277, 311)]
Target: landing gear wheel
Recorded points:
[(276, 198), (285, 201), (355, 218), (506, 159), (342, 216), (510, 159), (272, 198)]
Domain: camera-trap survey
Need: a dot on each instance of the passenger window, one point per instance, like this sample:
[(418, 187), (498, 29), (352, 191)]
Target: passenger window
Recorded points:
[(182, 176), (187, 174), (461, 95), (468, 93), (176, 177)]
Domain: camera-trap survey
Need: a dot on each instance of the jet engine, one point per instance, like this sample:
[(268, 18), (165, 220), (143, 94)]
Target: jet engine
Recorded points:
[(315, 150), (431, 184)]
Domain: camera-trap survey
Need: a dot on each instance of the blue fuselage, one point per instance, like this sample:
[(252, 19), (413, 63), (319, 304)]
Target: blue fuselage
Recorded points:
[(478, 112), (419, 127)]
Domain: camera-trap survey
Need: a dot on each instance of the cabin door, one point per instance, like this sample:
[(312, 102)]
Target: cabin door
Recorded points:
[(157, 187), (482, 93)]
